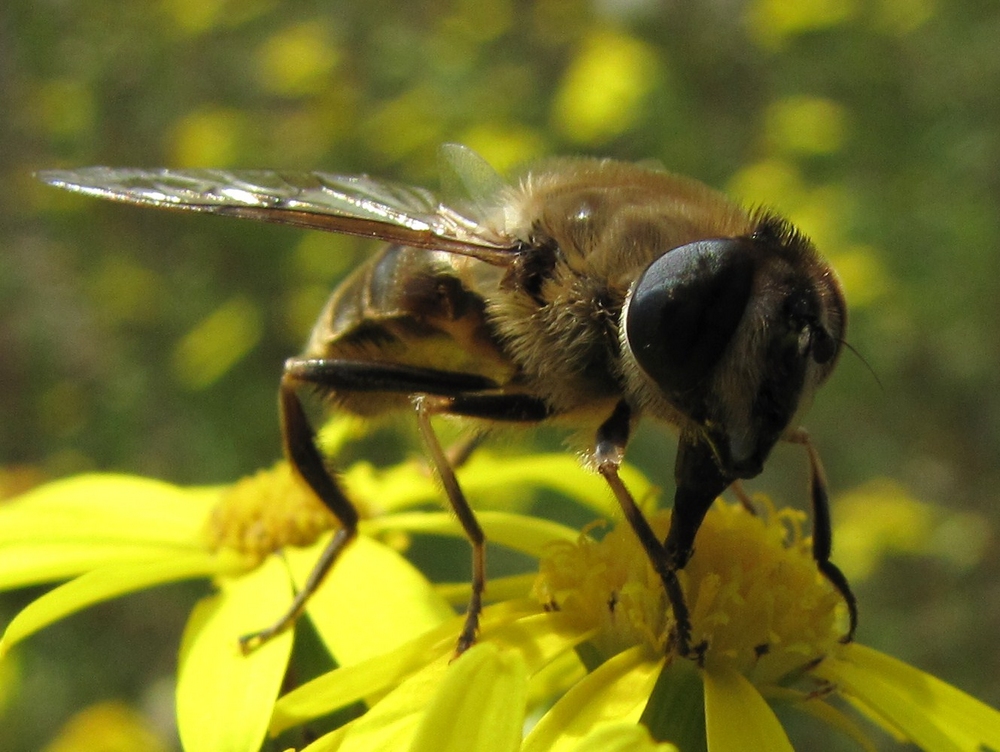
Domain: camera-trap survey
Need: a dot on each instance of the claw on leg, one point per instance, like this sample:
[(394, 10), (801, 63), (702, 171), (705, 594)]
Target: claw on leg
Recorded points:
[(823, 531)]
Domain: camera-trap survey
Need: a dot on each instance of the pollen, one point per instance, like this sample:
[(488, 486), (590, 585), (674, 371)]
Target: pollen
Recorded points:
[(758, 602), (267, 511)]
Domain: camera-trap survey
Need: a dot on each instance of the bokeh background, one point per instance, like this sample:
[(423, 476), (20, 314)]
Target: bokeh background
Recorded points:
[(150, 342)]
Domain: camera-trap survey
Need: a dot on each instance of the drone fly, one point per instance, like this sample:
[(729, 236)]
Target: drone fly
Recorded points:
[(589, 294)]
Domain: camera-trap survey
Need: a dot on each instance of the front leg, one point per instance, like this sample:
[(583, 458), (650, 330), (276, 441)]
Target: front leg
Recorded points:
[(445, 474), (609, 452), (823, 531), (496, 406)]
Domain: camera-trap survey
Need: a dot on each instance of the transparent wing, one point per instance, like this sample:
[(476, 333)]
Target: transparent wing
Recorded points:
[(350, 204)]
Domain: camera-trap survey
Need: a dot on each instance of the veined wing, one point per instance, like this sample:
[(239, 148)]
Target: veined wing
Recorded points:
[(350, 204)]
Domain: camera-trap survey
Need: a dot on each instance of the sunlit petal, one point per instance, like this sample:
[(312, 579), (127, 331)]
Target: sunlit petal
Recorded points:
[(736, 716), (559, 472), (620, 736), (224, 698), (400, 487), (350, 683), (478, 706), (36, 563), (388, 600), (616, 690), (329, 742), (539, 637), (104, 584), (932, 713), (390, 489), (508, 588), (390, 725), (676, 706), (529, 535), (107, 509), (835, 718)]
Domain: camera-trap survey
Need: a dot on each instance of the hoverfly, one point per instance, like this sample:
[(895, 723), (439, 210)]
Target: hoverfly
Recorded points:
[(589, 294)]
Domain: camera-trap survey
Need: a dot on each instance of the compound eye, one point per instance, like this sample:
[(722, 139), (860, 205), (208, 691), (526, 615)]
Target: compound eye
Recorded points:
[(685, 308), (824, 347)]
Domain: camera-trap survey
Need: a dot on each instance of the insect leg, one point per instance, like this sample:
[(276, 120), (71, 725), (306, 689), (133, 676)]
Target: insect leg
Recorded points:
[(823, 531), (473, 531), (517, 408), (460, 452), (301, 450), (509, 408), (612, 438), (330, 376)]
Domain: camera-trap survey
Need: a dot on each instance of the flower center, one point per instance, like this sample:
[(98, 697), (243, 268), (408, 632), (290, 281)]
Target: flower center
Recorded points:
[(757, 600), (267, 511)]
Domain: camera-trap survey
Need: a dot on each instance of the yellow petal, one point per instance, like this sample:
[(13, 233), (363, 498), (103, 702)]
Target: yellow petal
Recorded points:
[(328, 742), (737, 718), (676, 706), (558, 471), (391, 724), (527, 534), (539, 637), (494, 480), (479, 704), (615, 690), (372, 601), (932, 713), (621, 736), (224, 699), (498, 589), (835, 718), (107, 509), (552, 681), (390, 489), (35, 563), (348, 684), (104, 584)]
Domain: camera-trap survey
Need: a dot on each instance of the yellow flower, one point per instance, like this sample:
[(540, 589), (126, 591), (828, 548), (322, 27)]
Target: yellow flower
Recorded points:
[(586, 660), (574, 657), (109, 535)]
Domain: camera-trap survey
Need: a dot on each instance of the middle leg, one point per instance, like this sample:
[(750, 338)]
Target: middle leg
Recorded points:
[(493, 406)]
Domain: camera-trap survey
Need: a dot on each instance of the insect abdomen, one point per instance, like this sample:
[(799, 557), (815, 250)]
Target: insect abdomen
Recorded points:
[(411, 307)]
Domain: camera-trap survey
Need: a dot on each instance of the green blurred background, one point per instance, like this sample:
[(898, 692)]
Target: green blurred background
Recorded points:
[(150, 342)]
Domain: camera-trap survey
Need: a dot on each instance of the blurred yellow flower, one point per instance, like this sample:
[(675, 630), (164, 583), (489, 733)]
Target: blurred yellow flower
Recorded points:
[(208, 136), (881, 519), (106, 727), (772, 22), (217, 343), (604, 91), (298, 60), (805, 125)]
